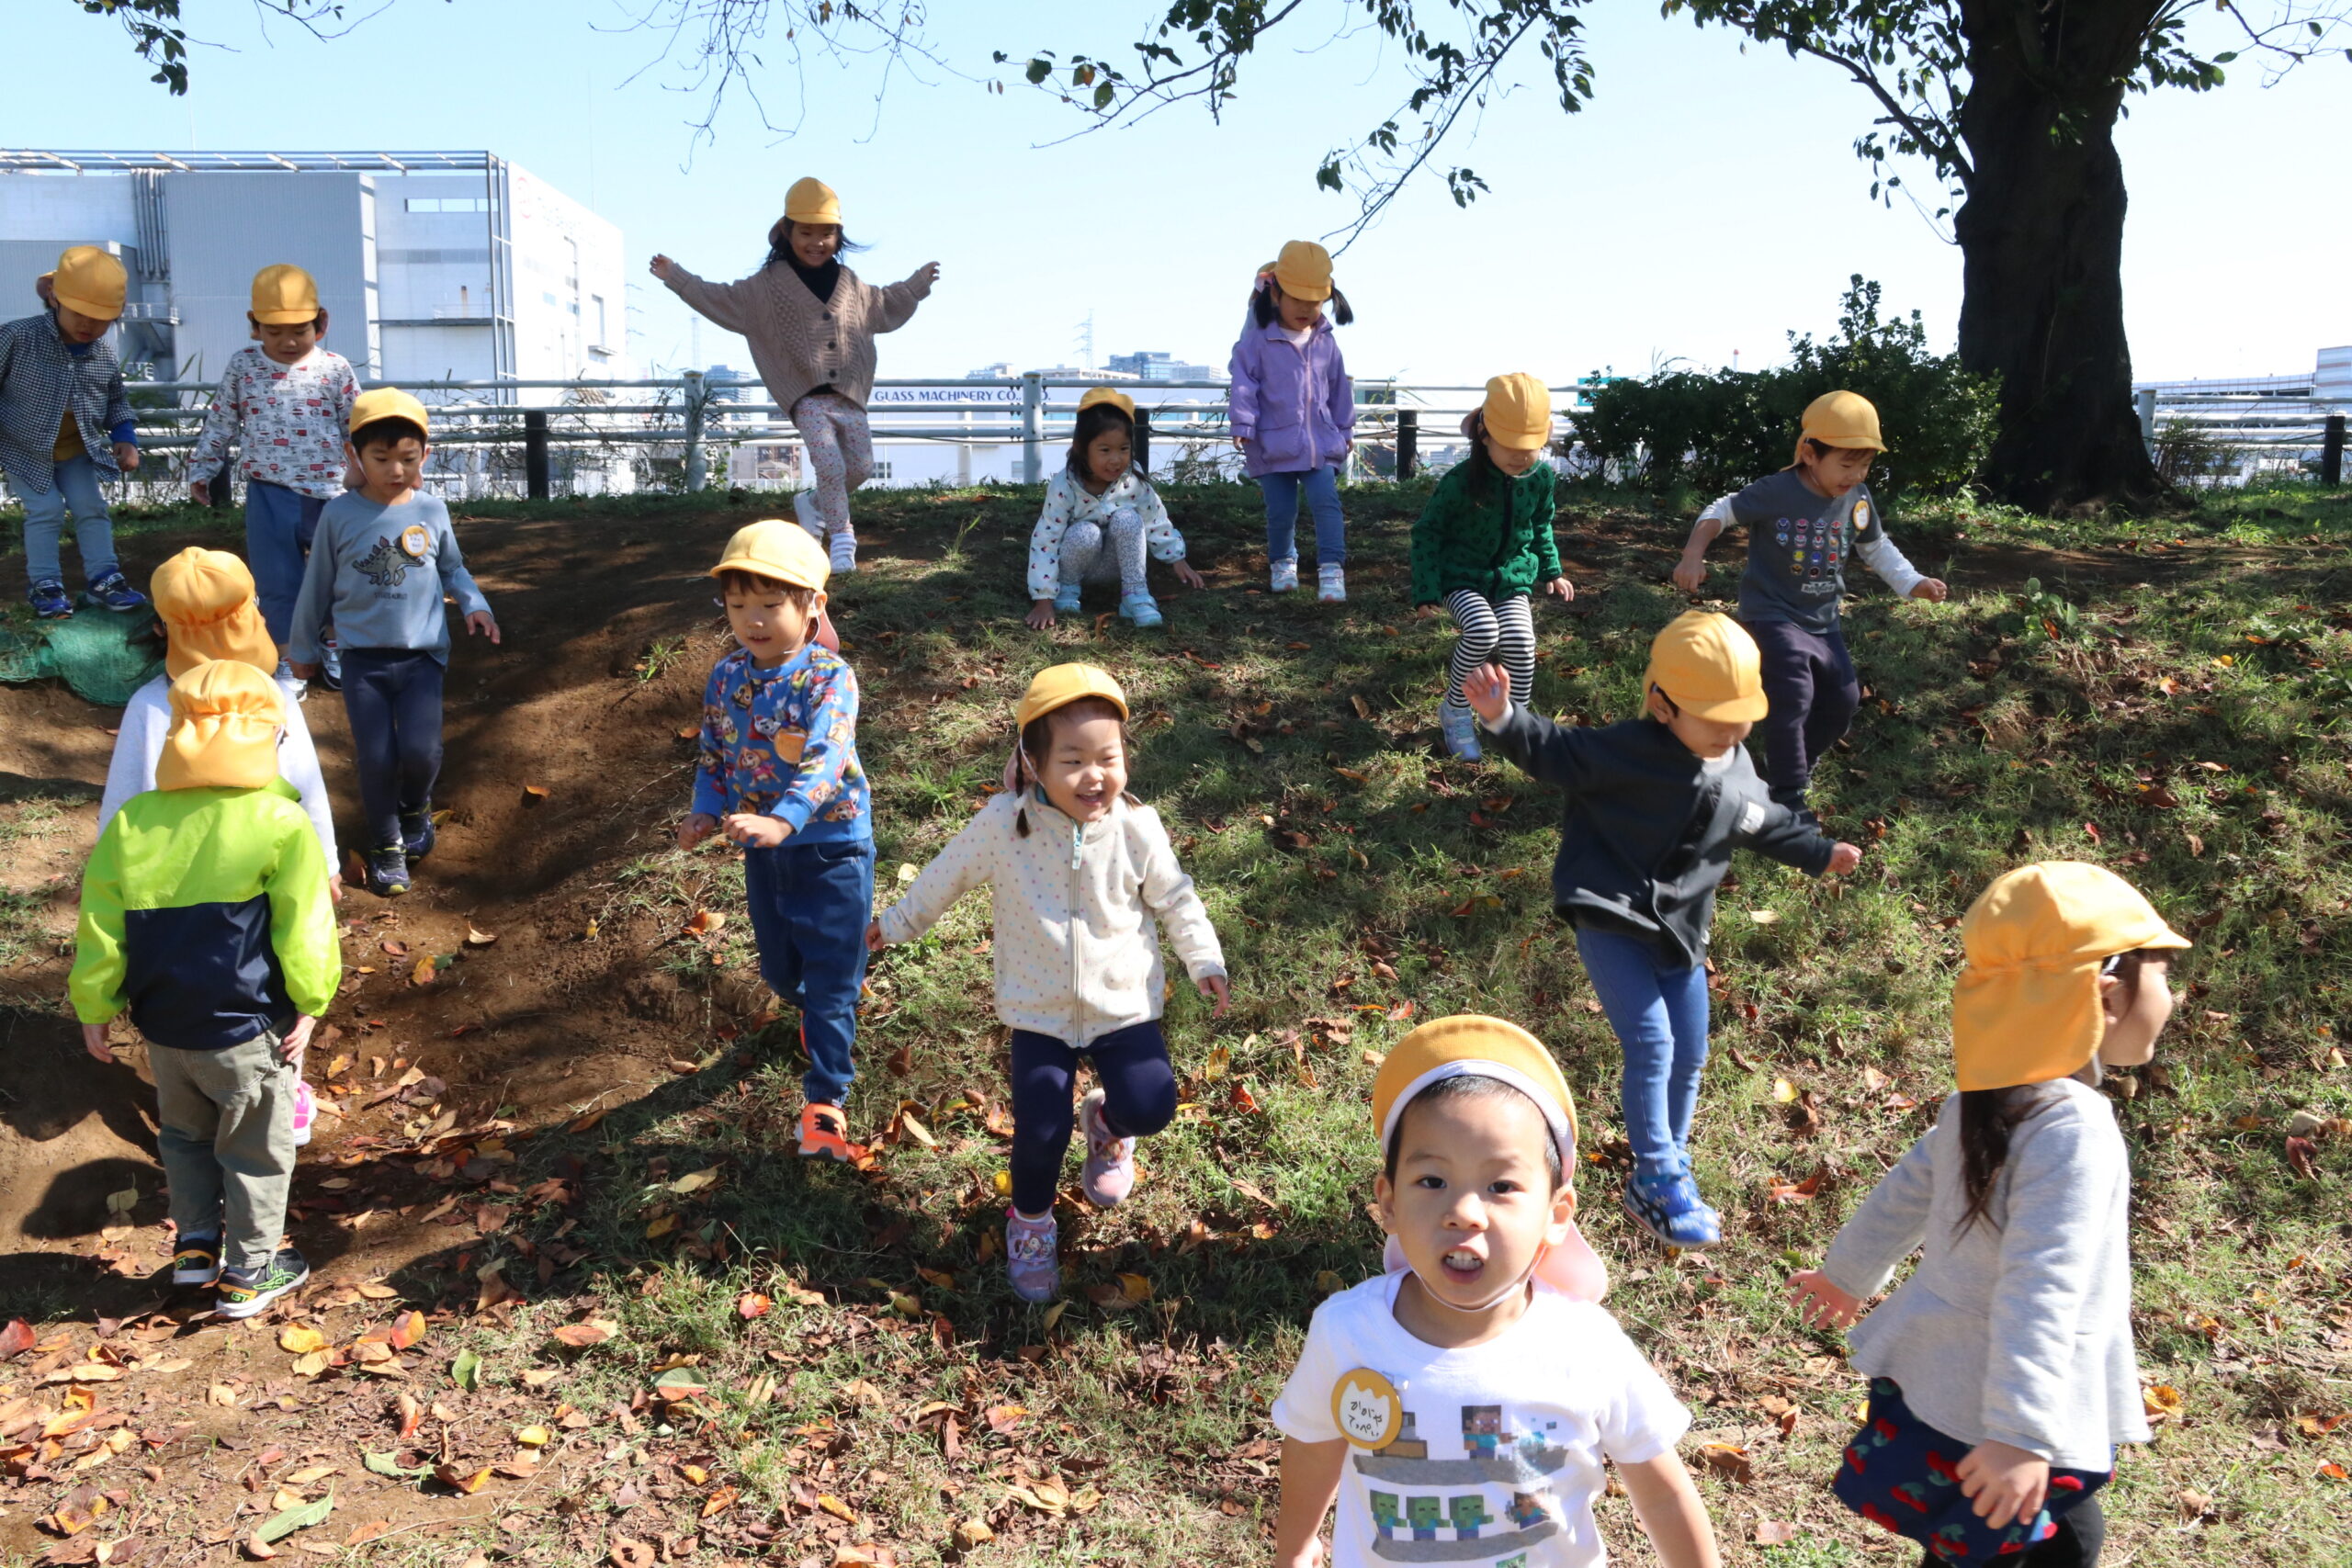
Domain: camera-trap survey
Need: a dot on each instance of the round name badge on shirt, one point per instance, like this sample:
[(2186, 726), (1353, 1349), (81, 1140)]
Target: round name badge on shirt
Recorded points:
[(1366, 1410), (1861, 514), (415, 539)]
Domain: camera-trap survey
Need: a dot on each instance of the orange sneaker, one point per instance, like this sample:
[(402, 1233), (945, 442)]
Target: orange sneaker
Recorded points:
[(824, 1135)]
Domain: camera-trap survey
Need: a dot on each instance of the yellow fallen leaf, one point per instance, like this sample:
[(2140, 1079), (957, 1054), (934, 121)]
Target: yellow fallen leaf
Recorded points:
[(1763, 917), (1784, 1091), (534, 1437), (915, 1129), (1219, 1059), (836, 1507), (661, 1226), (310, 1363), (301, 1339), (1135, 1287), (423, 971)]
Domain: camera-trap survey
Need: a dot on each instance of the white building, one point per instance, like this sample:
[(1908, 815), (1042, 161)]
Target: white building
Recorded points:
[(431, 265)]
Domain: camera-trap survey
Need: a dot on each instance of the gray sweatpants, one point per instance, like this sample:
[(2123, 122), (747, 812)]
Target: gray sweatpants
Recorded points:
[(227, 1143), (1092, 553)]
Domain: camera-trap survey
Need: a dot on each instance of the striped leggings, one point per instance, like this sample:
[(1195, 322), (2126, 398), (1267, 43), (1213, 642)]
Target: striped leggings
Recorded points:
[(1492, 633)]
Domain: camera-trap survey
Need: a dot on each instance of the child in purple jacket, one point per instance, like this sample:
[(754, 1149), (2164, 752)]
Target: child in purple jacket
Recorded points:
[(1293, 412)]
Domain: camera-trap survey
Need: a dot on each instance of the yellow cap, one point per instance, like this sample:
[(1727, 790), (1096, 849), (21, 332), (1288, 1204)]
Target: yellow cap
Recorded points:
[(1304, 271), (2026, 1007), (90, 282), (387, 402), (206, 600), (811, 200), (284, 295), (225, 718), (1518, 412), (1112, 395), (1708, 665), (774, 548), (1473, 1045), (1840, 419), (1062, 684)]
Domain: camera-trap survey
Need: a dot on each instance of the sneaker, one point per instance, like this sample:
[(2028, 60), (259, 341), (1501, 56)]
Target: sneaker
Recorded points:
[(49, 601), (1067, 599), (330, 664), (113, 591), (1032, 1249), (1110, 1172), (803, 510), (198, 1261), (824, 1135), (296, 688), (1331, 584), (1140, 608), (417, 833), (387, 870), (1460, 727), (1670, 1209), (1282, 576), (244, 1292), (305, 1109), (844, 551)]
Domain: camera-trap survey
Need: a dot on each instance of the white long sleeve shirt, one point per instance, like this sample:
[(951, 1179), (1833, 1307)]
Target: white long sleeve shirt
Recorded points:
[(147, 724)]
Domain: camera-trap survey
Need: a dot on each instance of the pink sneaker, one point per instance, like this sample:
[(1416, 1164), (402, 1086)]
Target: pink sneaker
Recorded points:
[(1032, 1256), (1110, 1173), (303, 1111)]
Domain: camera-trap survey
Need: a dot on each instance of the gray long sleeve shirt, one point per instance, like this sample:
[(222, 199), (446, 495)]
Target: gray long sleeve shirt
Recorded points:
[(379, 573), (2018, 1329)]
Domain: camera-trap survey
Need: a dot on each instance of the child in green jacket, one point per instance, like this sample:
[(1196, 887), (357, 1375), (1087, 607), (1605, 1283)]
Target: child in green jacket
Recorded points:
[(1485, 541), (205, 912)]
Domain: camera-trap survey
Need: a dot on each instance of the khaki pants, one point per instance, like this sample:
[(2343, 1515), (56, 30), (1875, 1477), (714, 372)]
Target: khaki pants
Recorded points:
[(228, 1144)]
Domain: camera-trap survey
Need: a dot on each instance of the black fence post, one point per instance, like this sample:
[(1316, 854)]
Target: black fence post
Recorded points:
[(1408, 441), (1143, 440), (2331, 451), (535, 453)]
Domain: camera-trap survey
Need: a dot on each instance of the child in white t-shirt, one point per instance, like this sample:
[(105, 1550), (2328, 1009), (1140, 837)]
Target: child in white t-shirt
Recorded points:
[(1460, 1407)]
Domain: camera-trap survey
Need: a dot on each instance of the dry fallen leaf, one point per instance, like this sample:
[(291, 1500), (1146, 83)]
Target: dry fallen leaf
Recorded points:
[(1728, 1460), (705, 923), (2162, 1401), (753, 1303), (1775, 1532), (301, 1339), (478, 938)]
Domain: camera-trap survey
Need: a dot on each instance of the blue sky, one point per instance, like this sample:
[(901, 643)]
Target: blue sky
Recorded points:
[(1704, 205)]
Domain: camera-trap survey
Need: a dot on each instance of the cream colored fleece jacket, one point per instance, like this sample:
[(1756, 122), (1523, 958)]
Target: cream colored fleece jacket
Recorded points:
[(1077, 944), (800, 343)]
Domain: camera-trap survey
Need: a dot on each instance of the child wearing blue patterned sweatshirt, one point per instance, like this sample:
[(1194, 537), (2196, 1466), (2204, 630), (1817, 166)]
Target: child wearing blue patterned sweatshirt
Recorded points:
[(779, 775)]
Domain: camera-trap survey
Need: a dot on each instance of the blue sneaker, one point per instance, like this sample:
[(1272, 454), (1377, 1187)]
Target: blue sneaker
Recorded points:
[(387, 870), (417, 834), (1670, 1209), (113, 591), (49, 601), (1067, 599), (1460, 727), (1140, 608)]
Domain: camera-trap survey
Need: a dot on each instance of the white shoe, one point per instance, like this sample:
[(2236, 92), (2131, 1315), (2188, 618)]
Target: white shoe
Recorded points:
[(1283, 575), (804, 507), (1334, 584), (844, 551)]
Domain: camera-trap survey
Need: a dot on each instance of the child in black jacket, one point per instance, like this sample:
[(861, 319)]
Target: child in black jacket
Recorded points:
[(1655, 807)]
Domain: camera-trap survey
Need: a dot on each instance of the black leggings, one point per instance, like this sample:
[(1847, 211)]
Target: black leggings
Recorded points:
[(1138, 1100)]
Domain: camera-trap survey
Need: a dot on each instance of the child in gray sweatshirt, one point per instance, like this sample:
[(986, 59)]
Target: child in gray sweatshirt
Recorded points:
[(2002, 1370)]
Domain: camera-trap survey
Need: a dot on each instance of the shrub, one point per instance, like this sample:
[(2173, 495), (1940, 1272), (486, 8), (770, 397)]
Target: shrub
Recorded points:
[(1719, 431)]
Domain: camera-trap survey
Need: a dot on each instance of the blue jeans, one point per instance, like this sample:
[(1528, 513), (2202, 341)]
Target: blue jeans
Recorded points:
[(1322, 487), (811, 905), (1660, 1017), (75, 488), (1138, 1100), (393, 696), (279, 523), (1809, 680)]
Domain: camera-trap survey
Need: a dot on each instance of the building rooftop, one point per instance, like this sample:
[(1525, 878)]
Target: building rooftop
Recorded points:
[(20, 159)]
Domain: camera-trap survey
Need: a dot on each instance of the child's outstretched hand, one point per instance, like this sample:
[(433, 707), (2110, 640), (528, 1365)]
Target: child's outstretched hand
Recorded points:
[(1188, 577), (1844, 859), (875, 940), (1689, 575), (1041, 615), (1819, 1303), (660, 266), (1931, 588), (756, 829), (1216, 988), (483, 622), (2008, 1482), (1488, 691), (695, 829), (1561, 589)]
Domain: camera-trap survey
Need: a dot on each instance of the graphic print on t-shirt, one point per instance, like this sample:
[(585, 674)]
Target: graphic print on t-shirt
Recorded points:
[(387, 564), (1424, 1520)]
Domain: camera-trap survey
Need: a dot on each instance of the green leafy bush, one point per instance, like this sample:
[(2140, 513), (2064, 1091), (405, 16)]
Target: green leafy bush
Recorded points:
[(1722, 431)]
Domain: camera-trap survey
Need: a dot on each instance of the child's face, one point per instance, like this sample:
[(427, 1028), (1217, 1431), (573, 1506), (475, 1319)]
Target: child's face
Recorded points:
[(1471, 1204), (814, 243), (2136, 1011), (1707, 738), (1084, 768), (389, 467), (1109, 454), (1297, 314), (1512, 460), (287, 342), (1837, 470), (76, 327), (770, 620)]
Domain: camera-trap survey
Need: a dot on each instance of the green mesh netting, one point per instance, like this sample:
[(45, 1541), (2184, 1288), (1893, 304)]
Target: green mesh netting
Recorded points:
[(93, 653)]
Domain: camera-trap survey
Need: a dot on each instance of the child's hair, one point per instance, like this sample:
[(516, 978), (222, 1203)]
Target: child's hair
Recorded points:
[(1261, 305), (780, 244), (1092, 420), (1988, 1115), (735, 580), (1480, 464), (1038, 739), (384, 432), (1469, 1087), (1816, 448)]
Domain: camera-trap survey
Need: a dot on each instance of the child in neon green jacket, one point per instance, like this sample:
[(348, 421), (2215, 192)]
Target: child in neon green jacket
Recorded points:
[(205, 913)]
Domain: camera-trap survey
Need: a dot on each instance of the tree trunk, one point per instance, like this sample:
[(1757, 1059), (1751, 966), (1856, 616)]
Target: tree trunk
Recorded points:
[(2041, 241)]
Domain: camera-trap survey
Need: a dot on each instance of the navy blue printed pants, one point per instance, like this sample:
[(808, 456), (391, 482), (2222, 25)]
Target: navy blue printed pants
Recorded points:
[(393, 696), (1809, 680), (1138, 1100), (811, 905)]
